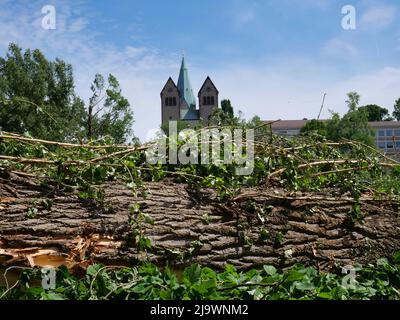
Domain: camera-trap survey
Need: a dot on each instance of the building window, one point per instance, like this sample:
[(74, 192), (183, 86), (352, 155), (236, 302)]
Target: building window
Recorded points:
[(170, 101), (381, 145), (389, 145), (397, 144), (389, 133), (381, 133), (208, 100), (397, 132)]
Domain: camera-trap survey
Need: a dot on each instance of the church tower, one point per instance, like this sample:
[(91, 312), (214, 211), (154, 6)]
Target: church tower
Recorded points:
[(179, 103), (188, 111), (170, 102), (188, 101), (208, 99)]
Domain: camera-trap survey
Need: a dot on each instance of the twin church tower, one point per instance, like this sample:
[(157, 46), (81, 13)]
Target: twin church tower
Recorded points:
[(179, 103)]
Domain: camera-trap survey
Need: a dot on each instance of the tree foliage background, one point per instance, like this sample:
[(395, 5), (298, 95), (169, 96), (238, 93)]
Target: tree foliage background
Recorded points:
[(37, 96), (108, 112), (353, 125)]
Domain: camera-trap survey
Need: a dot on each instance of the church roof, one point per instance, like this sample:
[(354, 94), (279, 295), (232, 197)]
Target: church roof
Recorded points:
[(166, 84), (204, 83), (190, 114), (184, 86)]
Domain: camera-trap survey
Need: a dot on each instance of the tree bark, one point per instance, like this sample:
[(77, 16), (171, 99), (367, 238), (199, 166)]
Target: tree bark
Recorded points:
[(90, 122), (258, 227)]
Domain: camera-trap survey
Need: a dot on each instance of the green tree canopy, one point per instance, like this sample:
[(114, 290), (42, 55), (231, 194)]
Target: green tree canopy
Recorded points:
[(224, 116), (353, 99), (181, 125), (353, 125), (37, 96), (376, 113), (396, 112), (226, 107), (262, 130), (109, 113), (314, 126)]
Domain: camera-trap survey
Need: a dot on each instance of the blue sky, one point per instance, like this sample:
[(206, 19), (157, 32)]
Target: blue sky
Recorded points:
[(271, 58)]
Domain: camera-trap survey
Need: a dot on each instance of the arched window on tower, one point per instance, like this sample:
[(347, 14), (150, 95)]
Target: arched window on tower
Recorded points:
[(208, 100), (170, 101)]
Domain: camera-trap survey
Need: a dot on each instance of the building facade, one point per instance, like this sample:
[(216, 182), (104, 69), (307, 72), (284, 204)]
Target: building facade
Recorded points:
[(178, 102), (387, 133), (387, 136)]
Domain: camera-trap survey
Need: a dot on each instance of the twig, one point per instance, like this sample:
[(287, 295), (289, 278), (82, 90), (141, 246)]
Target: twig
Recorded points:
[(27, 160), (248, 285), (318, 174), (372, 149), (120, 153), (324, 162), (96, 275), (6, 281), (10, 136)]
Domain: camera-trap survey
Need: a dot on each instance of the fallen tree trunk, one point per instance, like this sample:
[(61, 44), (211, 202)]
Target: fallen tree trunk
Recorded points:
[(257, 227)]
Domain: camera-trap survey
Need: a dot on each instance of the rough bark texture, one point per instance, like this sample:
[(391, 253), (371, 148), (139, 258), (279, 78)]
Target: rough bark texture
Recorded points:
[(259, 227)]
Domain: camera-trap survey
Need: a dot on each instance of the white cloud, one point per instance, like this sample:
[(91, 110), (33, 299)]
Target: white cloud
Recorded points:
[(78, 25), (281, 93), (132, 52), (378, 17), (339, 48)]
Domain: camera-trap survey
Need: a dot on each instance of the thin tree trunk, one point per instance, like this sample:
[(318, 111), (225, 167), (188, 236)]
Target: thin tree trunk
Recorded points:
[(90, 122)]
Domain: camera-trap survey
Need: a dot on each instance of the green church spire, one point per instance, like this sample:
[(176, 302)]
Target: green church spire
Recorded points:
[(184, 86)]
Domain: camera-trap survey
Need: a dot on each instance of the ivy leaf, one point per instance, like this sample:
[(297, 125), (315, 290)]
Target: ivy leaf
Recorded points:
[(270, 270), (51, 296), (191, 275), (93, 269)]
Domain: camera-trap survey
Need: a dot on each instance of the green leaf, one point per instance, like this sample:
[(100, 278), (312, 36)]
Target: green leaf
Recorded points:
[(142, 288), (93, 269), (99, 174), (191, 275), (304, 286), (325, 295), (51, 296), (396, 257), (294, 275), (270, 270), (148, 219), (144, 243)]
